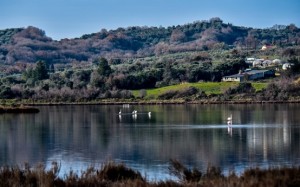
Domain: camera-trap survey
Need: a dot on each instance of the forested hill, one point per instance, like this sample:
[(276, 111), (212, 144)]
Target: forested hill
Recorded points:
[(31, 44)]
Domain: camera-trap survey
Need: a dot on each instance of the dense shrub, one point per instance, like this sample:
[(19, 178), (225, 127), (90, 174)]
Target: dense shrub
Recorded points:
[(184, 174), (120, 94), (168, 94), (186, 92), (6, 92), (244, 87), (280, 90), (118, 172), (240, 91)]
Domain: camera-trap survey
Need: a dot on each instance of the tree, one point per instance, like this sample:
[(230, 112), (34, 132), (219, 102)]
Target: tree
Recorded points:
[(103, 67), (97, 80), (40, 72), (295, 65), (177, 36), (6, 92)]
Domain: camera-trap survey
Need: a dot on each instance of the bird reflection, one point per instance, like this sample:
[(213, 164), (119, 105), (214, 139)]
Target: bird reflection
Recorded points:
[(229, 130), (134, 116)]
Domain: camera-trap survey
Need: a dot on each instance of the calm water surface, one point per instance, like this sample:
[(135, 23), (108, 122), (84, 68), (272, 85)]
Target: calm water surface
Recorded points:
[(197, 135)]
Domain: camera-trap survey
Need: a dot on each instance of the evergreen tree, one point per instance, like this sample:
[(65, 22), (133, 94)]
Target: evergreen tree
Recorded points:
[(40, 72), (103, 67)]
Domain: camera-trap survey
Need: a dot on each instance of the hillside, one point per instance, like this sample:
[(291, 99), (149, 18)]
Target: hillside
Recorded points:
[(179, 62), (28, 45)]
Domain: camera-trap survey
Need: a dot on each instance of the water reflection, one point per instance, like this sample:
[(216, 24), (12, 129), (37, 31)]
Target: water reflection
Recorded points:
[(198, 135)]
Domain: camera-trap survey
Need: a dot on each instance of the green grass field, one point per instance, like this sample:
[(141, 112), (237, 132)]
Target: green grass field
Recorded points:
[(208, 87)]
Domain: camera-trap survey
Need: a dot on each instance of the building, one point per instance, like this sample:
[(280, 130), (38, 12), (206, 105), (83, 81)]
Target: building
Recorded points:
[(266, 47), (286, 66), (234, 78), (250, 60), (256, 62), (249, 75)]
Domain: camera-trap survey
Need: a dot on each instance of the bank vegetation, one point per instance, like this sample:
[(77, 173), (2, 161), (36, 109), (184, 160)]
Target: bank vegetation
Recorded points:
[(116, 174)]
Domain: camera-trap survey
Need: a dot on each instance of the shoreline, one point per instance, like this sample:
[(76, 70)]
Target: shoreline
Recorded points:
[(157, 103), (22, 109), (24, 106)]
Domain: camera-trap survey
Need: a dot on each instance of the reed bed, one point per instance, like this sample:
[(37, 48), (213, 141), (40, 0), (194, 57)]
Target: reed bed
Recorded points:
[(118, 175)]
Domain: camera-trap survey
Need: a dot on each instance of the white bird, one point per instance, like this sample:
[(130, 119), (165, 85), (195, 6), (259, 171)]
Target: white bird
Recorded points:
[(229, 118), (120, 112)]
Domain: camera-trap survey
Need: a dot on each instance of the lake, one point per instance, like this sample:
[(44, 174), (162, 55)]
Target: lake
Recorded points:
[(261, 135)]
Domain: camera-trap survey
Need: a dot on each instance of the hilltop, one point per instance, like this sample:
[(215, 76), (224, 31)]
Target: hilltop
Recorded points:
[(28, 45)]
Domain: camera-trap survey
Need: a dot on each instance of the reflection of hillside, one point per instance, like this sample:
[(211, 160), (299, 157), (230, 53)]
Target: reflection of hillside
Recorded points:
[(21, 139), (174, 131)]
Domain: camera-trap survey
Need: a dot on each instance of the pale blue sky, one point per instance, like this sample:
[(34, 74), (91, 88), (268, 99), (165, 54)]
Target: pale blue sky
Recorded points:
[(73, 18)]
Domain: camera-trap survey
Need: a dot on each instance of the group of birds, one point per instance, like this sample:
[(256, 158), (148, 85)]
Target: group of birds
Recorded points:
[(134, 113)]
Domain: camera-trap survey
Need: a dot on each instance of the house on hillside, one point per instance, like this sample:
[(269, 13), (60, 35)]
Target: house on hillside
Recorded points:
[(250, 60), (234, 78), (277, 62), (266, 47), (263, 63), (287, 66), (249, 75)]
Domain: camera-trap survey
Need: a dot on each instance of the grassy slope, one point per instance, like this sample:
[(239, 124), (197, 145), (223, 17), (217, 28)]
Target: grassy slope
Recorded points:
[(208, 87)]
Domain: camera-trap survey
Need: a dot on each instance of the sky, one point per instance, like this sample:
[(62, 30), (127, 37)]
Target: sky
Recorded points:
[(73, 18)]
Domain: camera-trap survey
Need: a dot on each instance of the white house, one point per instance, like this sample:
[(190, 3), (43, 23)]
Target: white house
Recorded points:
[(286, 66), (234, 78), (267, 63), (250, 60), (277, 62), (257, 62)]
